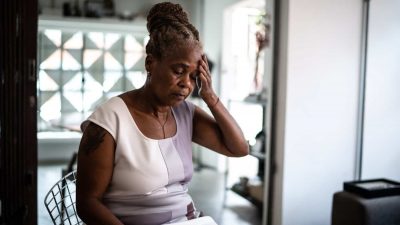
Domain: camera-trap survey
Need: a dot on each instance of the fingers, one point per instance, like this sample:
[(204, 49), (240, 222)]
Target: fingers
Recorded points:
[(204, 75), (204, 57), (204, 66)]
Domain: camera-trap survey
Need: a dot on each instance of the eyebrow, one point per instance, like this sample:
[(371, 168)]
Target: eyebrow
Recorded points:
[(181, 64)]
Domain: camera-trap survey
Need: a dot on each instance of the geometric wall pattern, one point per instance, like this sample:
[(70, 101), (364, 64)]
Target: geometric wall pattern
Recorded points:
[(79, 70)]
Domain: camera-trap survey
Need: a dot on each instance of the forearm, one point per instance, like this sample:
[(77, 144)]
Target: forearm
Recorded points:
[(231, 134), (93, 212)]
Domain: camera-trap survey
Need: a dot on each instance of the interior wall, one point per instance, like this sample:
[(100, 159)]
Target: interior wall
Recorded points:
[(319, 67), (382, 99), (212, 36)]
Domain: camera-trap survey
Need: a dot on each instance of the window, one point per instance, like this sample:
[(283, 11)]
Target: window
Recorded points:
[(78, 70)]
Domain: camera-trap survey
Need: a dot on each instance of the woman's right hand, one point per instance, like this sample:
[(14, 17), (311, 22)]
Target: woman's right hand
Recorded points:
[(206, 91)]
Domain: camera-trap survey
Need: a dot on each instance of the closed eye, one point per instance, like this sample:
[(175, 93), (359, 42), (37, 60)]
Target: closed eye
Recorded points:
[(179, 72)]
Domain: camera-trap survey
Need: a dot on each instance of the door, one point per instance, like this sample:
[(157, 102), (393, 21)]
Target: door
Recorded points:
[(18, 142)]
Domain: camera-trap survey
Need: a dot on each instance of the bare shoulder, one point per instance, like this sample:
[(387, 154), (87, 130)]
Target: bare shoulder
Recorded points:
[(92, 138)]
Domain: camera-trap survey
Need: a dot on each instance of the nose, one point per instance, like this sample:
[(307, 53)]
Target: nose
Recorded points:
[(185, 81)]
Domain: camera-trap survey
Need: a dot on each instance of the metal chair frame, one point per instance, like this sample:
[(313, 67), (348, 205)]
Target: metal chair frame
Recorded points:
[(60, 201)]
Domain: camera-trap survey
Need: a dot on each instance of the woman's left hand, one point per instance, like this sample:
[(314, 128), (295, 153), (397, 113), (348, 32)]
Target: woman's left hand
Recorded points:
[(206, 91)]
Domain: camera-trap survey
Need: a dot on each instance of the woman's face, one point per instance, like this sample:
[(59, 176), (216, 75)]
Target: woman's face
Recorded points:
[(174, 76)]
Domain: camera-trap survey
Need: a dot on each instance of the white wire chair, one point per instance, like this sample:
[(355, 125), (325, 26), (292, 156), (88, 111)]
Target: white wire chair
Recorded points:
[(60, 201)]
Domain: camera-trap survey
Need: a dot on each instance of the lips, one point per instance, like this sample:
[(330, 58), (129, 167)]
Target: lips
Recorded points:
[(179, 95)]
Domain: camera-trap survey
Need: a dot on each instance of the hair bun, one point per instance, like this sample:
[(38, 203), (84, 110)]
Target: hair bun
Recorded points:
[(164, 14)]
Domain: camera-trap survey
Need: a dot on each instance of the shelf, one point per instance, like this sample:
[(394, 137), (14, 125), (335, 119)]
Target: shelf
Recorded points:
[(258, 155), (74, 24), (255, 99)]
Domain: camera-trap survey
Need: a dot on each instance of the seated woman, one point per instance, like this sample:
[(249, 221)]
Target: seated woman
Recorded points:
[(135, 156)]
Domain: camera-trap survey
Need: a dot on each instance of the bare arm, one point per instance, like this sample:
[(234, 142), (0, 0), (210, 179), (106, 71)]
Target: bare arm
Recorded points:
[(221, 133), (95, 167)]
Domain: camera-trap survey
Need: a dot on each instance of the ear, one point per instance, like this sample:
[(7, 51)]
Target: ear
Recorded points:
[(149, 62)]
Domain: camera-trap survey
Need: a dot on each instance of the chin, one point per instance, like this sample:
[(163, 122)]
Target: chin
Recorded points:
[(177, 101)]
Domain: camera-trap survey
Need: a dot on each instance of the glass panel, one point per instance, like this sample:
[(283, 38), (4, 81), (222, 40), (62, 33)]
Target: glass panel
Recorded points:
[(111, 94), (132, 45), (75, 42), (71, 60), (46, 83), (90, 57), (132, 58), (110, 81), (111, 40), (110, 63), (137, 78), (74, 84), (51, 109), (75, 99), (54, 36), (96, 39), (53, 62), (145, 40), (65, 90), (90, 99), (91, 84)]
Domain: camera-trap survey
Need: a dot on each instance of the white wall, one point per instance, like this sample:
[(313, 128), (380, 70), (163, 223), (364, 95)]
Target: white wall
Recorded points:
[(212, 37), (317, 107), (381, 153)]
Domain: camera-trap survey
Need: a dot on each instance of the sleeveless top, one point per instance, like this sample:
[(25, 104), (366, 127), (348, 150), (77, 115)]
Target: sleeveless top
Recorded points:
[(149, 185)]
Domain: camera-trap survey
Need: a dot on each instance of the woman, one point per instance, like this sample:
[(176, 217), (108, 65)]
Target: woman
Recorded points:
[(135, 159)]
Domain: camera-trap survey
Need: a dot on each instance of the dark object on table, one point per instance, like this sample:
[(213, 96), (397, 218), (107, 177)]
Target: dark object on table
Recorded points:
[(71, 10), (108, 8), (373, 188), (93, 8), (66, 10), (99, 8)]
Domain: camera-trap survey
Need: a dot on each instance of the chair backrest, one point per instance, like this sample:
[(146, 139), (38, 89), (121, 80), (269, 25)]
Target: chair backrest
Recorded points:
[(60, 201)]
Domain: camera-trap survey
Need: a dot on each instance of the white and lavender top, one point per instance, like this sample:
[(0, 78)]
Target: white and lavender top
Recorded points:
[(150, 178)]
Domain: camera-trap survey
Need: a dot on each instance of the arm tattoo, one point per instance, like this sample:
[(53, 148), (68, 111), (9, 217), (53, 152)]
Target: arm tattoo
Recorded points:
[(93, 137)]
